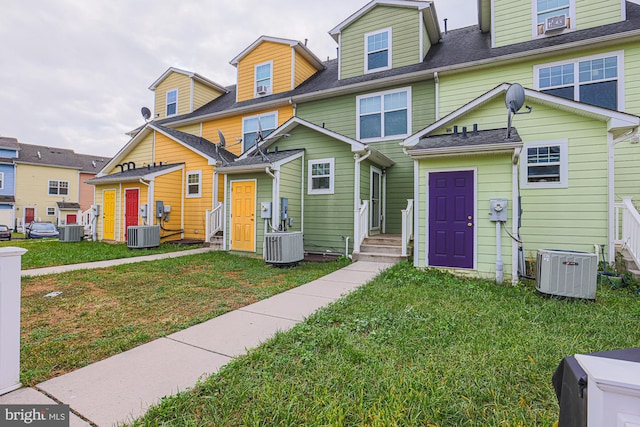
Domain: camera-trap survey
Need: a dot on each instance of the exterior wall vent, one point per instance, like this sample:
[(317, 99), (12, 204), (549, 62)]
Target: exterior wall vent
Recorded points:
[(71, 233), (284, 248), (567, 273), (143, 236)]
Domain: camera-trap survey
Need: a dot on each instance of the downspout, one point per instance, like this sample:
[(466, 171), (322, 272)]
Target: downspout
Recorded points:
[(275, 196), (611, 197), (143, 182), (356, 199), (515, 213), (436, 78)]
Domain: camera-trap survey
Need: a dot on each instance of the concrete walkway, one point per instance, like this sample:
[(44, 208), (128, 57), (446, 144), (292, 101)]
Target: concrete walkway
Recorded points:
[(121, 388)]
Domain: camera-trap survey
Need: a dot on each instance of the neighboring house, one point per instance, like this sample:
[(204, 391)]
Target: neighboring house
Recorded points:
[(49, 184), (371, 142), (8, 151)]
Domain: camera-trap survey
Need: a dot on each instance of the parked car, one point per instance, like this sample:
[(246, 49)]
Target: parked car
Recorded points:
[(5, 232), (39, 230)]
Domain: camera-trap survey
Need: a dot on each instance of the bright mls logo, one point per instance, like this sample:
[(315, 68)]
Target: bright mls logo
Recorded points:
[(34, 415)]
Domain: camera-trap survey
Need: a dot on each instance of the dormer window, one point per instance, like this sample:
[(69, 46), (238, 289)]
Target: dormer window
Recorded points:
[(377, 51), (264, 76), (172, 102), (553, 16)]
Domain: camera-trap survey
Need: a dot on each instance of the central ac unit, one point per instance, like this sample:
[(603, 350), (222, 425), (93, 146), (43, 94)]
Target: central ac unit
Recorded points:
[(554, 23), (283, 248), (143, 236), (71, 233), (567, 273)]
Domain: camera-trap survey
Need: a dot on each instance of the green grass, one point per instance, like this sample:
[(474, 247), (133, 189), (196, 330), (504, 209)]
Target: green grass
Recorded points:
[(412, 347), (51, 252), (103, 312)]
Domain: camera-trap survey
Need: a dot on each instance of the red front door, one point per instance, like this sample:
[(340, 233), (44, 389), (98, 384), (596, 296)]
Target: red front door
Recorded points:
[(29, 215), (131, 209)]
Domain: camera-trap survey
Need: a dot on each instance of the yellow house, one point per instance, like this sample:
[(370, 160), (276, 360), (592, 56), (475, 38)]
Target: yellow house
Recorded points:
[(197, 126)]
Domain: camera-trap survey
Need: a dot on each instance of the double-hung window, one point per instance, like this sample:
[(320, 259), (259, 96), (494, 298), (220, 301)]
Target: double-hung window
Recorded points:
[(377, 51), (194, 184), (58, 188), (250, 126), (545, 165), (264, 77), (321, 176), (552, 16), (592, 80), (51, 211), (384, 115), (172, 102)]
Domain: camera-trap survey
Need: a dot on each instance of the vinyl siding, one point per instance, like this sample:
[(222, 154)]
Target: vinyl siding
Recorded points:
[(302, 69), (405, 38), (593, 13), (193, 129), (169, 189), (291, 187), (141, 154), (231, 127), (202, 94), (627, 164), (493, 180), (8, 180), (280, 54), (173, 81)]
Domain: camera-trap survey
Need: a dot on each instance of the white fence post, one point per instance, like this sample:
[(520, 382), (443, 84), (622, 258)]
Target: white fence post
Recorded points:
[(10, 259)]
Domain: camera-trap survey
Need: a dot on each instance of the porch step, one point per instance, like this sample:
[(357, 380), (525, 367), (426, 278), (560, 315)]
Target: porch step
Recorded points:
[(215, 243), (382, 248), (630, 264)]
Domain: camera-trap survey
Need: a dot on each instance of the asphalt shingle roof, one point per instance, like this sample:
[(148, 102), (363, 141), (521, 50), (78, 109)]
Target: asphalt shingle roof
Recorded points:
[(200, 144), (258, 158), (55, 156), (472, 139)]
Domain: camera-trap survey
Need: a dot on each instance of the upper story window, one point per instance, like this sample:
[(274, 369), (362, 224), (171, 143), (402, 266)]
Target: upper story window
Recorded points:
[(592, 80), (194, 184), (553, 16), (58, 188), (377, 51), (546, 165), (321, 176), (384, 115), (267, 122), (264, 77), (172, 102)]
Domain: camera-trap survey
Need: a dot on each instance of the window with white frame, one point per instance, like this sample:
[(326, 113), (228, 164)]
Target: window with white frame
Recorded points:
[(250, 126), (384, 115), (545, 165), (51, 211), (264, 76), (552, 16), (321, 176), (1, 180), (377, 51), (172, 102), (194, 184), (58, 188), (592, 80)]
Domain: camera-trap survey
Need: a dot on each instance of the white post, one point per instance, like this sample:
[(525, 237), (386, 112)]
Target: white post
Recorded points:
[(10, 258)]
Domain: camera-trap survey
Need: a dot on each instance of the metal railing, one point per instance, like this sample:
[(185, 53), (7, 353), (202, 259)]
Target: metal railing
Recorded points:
[(407, 226), (627, 228), (215, 221), (362, 226)]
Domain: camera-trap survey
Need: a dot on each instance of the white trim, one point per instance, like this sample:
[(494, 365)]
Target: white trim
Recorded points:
[(475, 214), (166, 102), (332, 175), (515, 208), (493, 24), (193, 86), (416, 214), (255, 79), (623, 9), (619, 54), (191, 75), (1, 180), (255, 204), (54, 211), (197, 173), (421, 23), (564, 164), (293, 68), (534, 21), (339, 56), (374, 170), (389, 32), (611, 197), (59, 181), (382, 94)]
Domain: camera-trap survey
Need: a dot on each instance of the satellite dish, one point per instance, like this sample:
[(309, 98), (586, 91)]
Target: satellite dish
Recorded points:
[(514, 99), (222, 142), (146, 113)]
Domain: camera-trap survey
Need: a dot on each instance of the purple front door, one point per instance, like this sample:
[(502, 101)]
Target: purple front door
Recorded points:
[(451, 221)]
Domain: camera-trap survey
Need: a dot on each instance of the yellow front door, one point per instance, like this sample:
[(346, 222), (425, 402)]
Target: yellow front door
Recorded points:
[(109, 215), (243, 211)]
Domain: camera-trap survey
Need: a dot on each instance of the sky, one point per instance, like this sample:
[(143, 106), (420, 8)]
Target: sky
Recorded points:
[(75, 73)]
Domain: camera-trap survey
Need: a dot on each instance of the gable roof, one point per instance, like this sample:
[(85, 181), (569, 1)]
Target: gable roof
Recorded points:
[(59, 157), (427, 8), (296, 45), (195, 76), (618, 123), (292, 123)]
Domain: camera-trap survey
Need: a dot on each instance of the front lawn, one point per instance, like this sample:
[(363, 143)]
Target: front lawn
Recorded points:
[(51, 252), (106, 311), (412, 347)]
